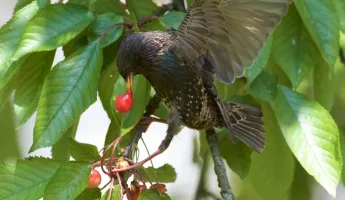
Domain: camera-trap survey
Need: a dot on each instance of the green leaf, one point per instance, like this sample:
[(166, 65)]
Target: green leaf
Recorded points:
[(173, 19), (340, 6), (6, 92), (106, 87), (294, 49), (26, 179), (237, 156), (312, 135), (301, 189), (162, 112), (52, 27), (272, 173), (22, 3), (68, 181), (265, 86), (74, 45), (90, 194), (83, 152), (141, 94), (323, 84), (9, 145), (260, 62), (61, 150), (105, 6), (101, 24), (342, 148), (163, 174), (30, 82), (70, 88), (86, 3), (115, 194), (154, 25), (9, 39), (152, 194), (320, 18), (141, 8)]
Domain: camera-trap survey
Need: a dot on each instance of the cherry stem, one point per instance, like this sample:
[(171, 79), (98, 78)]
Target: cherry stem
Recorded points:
[(139, 164), (120, 184), (113, 26), (111, 188)]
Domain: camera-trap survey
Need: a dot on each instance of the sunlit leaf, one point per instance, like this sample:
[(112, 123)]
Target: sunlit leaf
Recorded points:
[(70, 88), (9, 39), (52, 27), (312, 136)]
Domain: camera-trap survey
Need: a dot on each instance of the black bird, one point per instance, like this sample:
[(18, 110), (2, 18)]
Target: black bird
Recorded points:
[(216, 38)]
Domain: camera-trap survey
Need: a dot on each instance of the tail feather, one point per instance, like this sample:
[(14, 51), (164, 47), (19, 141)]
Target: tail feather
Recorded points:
[(244, 122)]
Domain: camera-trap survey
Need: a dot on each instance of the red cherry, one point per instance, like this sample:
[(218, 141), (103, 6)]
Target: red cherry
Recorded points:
[(123, 102), (94, 179)]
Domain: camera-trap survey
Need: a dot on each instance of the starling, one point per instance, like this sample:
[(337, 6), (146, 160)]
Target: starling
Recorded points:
[(217, 39)]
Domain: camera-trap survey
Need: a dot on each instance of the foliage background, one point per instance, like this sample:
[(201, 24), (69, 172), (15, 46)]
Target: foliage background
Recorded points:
[(93, 131)]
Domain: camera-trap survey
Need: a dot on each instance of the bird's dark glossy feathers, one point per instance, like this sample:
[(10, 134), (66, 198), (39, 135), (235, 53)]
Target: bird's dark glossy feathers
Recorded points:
[(217, 38)]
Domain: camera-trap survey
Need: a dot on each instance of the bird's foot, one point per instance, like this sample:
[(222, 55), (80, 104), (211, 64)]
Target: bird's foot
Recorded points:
[(147, 120)]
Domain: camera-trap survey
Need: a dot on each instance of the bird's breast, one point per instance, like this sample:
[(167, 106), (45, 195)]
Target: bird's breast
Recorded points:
[(192, 101)]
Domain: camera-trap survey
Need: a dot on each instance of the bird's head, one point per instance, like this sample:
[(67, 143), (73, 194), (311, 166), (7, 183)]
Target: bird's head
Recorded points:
[(137, 54), (128, 56)]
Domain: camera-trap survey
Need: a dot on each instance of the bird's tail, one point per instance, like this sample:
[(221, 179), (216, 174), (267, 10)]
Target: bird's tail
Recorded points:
[(245, 122)]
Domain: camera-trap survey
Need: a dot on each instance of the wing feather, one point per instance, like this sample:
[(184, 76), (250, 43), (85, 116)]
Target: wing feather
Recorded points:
[(230, 33)]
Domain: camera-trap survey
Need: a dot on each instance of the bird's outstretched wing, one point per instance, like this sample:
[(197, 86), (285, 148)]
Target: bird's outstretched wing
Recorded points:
[(230, 33)]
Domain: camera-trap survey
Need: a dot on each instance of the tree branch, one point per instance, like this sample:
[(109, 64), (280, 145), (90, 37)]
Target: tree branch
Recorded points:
[(219, 167)]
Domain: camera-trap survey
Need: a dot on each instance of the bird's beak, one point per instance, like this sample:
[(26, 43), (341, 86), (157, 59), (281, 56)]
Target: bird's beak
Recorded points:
[(129, 82)]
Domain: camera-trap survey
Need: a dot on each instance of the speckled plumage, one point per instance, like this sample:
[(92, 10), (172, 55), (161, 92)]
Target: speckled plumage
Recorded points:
[(217, 38), (187, 88), (178, 84)]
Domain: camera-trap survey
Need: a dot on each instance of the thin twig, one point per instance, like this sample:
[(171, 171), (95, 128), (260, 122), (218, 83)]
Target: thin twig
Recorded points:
[(113, 26), (219, 167), (120, 184), (147, 150)]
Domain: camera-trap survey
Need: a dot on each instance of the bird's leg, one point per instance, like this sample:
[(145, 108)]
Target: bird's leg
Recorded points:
[(173, 126), (140, 128)]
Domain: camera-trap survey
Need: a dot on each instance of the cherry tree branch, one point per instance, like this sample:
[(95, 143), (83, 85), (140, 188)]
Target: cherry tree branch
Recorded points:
[(219, 167)]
